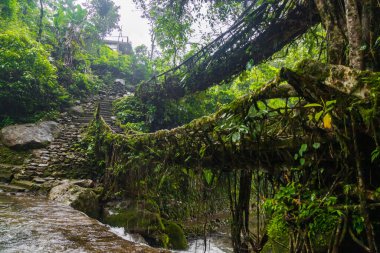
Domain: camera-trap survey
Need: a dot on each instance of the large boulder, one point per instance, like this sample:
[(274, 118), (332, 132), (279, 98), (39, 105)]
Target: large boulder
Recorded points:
[(78, 197), (27, 136)]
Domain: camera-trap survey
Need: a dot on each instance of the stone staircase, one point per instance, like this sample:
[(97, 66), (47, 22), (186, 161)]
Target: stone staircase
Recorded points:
[(107, 115), (6, 174), (58, 160)]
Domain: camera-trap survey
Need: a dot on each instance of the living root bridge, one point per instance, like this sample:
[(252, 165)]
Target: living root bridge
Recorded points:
[(260, 32), (251, 131), (322, 120)]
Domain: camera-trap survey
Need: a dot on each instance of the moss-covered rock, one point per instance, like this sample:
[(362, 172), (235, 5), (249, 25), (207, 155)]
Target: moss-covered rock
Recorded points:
[(80, 198), (10, 156), (149, 205), (177, 239), (26, 184), (143, 217), (143, 222)]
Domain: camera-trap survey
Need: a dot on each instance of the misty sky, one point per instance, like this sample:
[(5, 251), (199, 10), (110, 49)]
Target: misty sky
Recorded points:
[(135, 27)]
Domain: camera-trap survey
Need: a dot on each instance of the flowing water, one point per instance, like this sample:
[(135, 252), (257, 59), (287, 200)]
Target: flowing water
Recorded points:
[(214, 244), (34, 224)]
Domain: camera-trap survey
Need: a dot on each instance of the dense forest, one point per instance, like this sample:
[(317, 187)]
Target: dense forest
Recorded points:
[(257, 120)]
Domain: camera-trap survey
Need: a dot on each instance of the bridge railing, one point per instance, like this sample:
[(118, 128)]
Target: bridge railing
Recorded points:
[(229, 53)]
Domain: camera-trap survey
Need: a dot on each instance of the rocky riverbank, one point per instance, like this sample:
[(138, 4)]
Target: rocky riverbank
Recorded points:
[(51, 161)]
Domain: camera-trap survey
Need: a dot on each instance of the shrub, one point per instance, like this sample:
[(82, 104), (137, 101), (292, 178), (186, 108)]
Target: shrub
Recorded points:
[(75, 81), (28, 81), (109, 61)]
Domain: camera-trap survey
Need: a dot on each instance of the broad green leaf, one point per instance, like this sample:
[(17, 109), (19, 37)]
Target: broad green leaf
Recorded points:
[(375, 154), (302, 149), (202, 151), (330, 102), (313, 105), (207, 174), (318, 115)]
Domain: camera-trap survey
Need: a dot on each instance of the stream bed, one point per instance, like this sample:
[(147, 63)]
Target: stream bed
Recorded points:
[(33, 224)]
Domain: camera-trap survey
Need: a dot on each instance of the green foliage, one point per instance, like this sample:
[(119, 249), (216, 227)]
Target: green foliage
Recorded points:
[(109, 57), (9, 156), (296, 207), (83, 82), (277, 228), (105, 16), (208, 176), (8, 9), (27, 79), (132, 114), (6, 121), (375, 154)]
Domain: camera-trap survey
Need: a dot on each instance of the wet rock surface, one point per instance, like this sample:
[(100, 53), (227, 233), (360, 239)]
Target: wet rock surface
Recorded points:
[(46, 170), (81, 198), (33, 224)]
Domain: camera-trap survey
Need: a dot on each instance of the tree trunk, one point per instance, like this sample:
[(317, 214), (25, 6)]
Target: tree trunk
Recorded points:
[(352, 25), (354, 32), (41, 20), (333, 20)]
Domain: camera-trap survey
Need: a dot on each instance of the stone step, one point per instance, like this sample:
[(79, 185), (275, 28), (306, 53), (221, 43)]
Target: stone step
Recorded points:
[(11, 188), (9, 166), (106, 112), (7, 170), (89, 118), (84, 121), (30, 185), (6, 177)]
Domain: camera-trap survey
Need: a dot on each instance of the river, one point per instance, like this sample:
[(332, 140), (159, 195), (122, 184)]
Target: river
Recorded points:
[(33, 224)]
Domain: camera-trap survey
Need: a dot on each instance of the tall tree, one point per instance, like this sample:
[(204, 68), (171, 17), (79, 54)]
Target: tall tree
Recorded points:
[(352, 25)]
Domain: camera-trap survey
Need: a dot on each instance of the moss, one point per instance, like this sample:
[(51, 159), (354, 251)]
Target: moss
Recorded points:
[(26, 184), (149, 205), (318, 70), (99, 190), (143, 217), (143, 222), (9, 156), (177, 239)]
